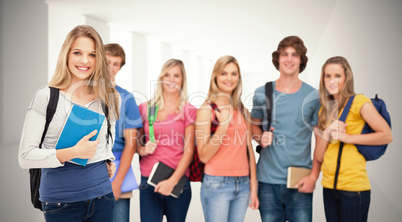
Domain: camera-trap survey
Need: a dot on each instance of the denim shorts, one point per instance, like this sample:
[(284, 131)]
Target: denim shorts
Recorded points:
[(225, 198)]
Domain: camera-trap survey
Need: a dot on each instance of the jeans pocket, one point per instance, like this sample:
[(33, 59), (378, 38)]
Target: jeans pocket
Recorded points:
[(108, 197), (213, 182), (143, 186), (53, 207), (350, 193)]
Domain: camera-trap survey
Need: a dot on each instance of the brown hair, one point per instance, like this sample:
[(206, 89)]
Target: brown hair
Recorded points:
[(329, 106), (115, 49), (295, 42), (213, 86), (99, 81)]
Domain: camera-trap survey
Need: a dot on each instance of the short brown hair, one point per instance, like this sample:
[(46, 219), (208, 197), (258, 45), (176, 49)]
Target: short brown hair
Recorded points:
[(115, 49), (295, 42)]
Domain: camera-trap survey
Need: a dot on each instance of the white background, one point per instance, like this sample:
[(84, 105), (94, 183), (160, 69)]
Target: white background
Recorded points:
[(367, 33)]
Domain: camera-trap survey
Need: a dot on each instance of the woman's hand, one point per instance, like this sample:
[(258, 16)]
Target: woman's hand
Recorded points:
[(149, 148), (254, 202), (86, 149), (165, 187), (224, 114), (337, 130)]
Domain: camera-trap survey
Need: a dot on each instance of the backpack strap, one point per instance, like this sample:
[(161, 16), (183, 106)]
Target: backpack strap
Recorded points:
[(50, 110), (269, 91), (36, 173), (152, 114), (215, 122), (342, 118), (105, 109)]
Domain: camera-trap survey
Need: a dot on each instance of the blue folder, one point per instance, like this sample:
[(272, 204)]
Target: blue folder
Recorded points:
[(80, 122), (129, 182)]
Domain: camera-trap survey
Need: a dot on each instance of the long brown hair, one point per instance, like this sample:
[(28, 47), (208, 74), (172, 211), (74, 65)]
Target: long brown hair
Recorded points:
[(329, 106), (213, 85), (158, 98), (99, 81)]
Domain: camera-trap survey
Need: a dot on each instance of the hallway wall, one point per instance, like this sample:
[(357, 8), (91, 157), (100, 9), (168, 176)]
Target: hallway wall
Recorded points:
[(369, 37)]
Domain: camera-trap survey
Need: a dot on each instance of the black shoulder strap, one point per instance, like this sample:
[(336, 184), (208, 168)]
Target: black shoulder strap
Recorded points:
[(269, 91), (105, 109), (215, 122), (50, 110), (342, 118)]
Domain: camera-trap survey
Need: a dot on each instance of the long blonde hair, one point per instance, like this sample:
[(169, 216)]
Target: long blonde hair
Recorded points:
[(330, 106), (213, 85), (99, 81), (158, 98)]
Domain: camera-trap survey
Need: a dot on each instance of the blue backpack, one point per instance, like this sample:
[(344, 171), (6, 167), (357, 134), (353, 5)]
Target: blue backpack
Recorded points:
[(370, 152)]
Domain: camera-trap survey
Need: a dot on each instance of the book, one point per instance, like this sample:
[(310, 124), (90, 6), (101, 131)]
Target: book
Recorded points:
[(160, 172), (80, 122), (295, 174), (129, 182)]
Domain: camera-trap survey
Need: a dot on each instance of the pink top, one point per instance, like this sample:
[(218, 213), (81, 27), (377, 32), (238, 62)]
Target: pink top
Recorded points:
[(171, 134), (231, 158)]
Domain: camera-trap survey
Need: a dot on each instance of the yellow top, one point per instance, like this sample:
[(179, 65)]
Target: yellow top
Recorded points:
[(352, 173)]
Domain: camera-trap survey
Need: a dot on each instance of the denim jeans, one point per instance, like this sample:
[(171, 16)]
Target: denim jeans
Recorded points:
[(97, 209), (346, 206), (122, 211), (154, 205), (277, 203), (225, 198)]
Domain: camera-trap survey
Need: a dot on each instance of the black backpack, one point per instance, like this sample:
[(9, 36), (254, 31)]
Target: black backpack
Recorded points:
[(36, 173)]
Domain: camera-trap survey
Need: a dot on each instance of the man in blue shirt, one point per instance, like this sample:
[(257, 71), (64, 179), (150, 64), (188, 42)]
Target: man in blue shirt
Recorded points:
[(288, 142), (126, 134)]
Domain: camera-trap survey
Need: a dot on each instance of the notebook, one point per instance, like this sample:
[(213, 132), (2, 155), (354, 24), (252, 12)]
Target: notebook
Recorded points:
[(80, 122), (295, 174), (160, 172), (129, 182)]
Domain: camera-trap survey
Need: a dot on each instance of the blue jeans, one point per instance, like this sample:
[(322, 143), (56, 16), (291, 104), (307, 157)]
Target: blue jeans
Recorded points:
[(122, 211), (277, 203), (154, 205), (346, 206), (225, 198), (93, 210)]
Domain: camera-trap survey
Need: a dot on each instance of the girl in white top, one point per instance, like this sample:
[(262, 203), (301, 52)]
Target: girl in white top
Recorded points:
[(71, 192)]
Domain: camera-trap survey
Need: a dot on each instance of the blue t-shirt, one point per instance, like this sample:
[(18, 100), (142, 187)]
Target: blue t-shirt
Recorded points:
[(293, 117), (129, 118)]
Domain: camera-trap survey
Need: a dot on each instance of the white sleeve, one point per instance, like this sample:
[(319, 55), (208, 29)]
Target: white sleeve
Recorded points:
[(29, 154)]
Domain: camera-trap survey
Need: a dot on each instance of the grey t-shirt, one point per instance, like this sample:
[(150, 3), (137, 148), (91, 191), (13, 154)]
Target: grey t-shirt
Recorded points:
[(293, 117)]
